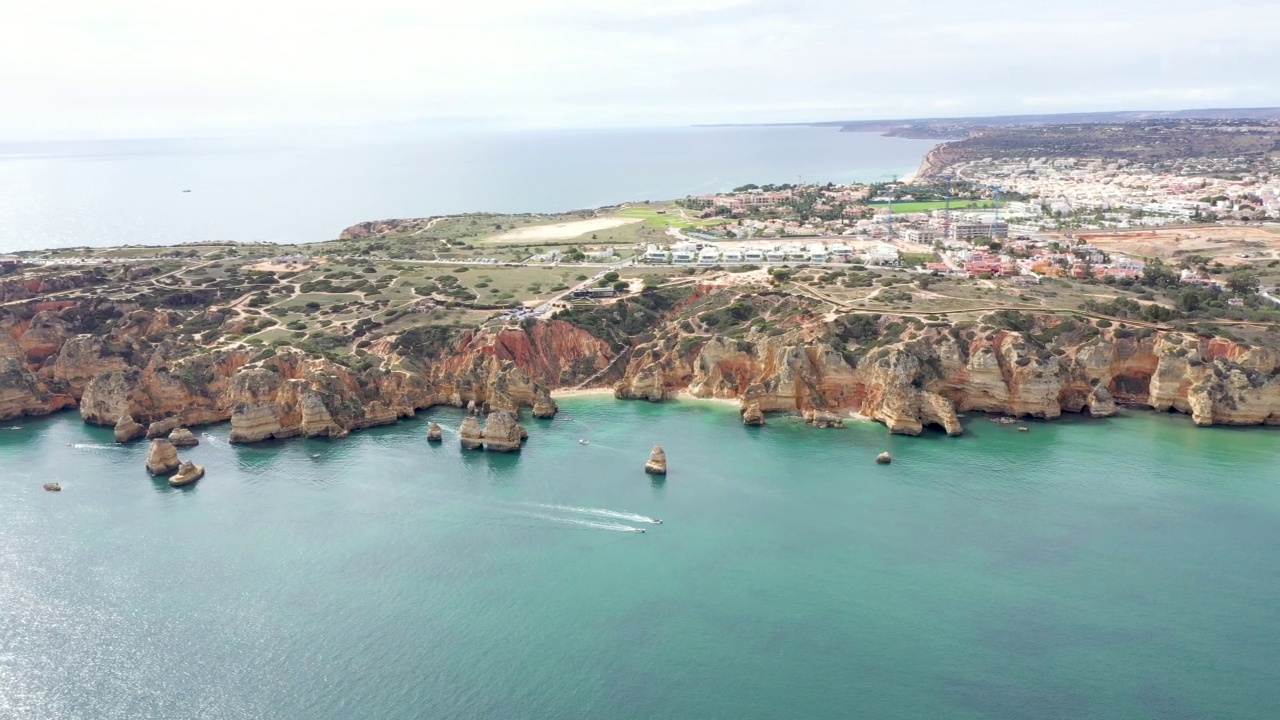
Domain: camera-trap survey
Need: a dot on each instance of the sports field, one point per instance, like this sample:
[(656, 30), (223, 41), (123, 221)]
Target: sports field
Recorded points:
[(926, 206)]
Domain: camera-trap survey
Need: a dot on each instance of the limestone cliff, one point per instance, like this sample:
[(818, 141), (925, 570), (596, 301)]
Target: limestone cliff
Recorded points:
[(771, 351), (926, 376)]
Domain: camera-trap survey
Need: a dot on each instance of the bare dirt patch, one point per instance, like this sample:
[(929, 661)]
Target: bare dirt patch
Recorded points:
[(272, 267), (1220, 244), (560, 231)]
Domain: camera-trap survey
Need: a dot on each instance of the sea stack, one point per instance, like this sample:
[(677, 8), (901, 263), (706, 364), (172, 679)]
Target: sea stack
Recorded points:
[(53, 487), (127, 429), (188, 472), (657, 464), (469, 434), (182, 437), (162, 428), (502, 432), (823, 419), (434, 432), (752, 415), (162, 457), (884, 458), (544, 406)]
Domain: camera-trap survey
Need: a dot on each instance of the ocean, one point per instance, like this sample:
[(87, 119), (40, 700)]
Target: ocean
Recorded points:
[(1118, 568), (309, 186)]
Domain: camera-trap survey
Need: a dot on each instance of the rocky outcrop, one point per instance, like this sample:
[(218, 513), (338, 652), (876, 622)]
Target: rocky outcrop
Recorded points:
[(752, 415), (126, 429), (543, 405), (182, 437), (188, 472), (470, 435), (884, 458), (163, 428), (657, 463), (823, 419), (162, 457), (501, 432), (930, 375), (22, 393), (435, 433), (794, 357)]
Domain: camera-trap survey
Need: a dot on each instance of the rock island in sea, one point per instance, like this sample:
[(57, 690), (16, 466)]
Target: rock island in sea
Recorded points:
[(329, 338)]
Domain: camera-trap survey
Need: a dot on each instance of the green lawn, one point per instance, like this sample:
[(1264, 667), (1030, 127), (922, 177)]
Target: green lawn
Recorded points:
[(666, 216), (926, 206)]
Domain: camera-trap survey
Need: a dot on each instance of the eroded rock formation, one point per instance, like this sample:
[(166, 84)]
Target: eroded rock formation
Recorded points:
[(501, 432), (657, 463), (188, 472), (162, 457), (126, 429), (470, 435), (182, 437)]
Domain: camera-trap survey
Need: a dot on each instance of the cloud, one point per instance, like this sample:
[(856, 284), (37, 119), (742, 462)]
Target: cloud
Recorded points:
[(77, 67)]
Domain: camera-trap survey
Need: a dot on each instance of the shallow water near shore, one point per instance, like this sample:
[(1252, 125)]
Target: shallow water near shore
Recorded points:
[(1116, 568)]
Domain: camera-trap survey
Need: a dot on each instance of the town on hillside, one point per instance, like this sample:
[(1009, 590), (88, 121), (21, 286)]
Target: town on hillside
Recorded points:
[(1062, 217)]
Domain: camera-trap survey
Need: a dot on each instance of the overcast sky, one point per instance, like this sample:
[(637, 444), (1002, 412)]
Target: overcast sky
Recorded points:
[(166, 67)]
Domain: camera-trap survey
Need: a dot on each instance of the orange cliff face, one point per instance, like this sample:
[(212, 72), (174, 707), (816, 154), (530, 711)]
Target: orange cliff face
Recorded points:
[(934, 377), (906, 376), (45, 365)]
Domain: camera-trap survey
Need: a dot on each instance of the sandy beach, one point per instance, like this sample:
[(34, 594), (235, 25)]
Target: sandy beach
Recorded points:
[(562, 231), (580, 392)]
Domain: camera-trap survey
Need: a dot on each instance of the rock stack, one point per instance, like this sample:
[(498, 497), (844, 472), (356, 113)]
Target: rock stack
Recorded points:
[(434, 432), (501, 432), (127, 429), (752, 415), (162, 457), (884, 458), (161, 428), (469, 434), (182, 437), (657, 464), (823, 419), (188, 472), (544, 406)]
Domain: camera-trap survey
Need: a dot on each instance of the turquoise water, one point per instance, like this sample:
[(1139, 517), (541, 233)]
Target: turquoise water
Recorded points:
[(1123, 568)]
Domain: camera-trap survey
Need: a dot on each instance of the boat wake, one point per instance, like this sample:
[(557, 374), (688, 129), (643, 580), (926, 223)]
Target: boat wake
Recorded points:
[(603, 512), (594, 524), (212, 440), (94, 446)]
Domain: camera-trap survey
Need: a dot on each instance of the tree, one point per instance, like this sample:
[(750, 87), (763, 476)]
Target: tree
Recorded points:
[(1157, 273), (1242, 283)]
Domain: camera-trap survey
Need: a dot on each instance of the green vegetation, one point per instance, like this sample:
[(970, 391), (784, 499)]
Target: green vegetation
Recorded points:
[(927, 206)]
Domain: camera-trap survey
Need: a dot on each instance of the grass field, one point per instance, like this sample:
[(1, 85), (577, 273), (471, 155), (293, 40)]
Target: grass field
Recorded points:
[(665, 216), (915, 207)]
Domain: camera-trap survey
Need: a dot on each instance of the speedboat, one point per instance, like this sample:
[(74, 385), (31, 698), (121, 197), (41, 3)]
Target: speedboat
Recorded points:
[(656, 521), (584, 441), (640, 529)]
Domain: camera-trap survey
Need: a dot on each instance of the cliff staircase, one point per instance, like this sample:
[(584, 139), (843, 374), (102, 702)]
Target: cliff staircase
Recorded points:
[(624, 355)]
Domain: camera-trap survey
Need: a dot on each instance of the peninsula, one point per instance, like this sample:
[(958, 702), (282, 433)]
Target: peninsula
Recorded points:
[(1020, 283)]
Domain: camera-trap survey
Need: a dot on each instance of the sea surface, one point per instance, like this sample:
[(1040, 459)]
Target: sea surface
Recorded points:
[(1120, 568), (309, 186)]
